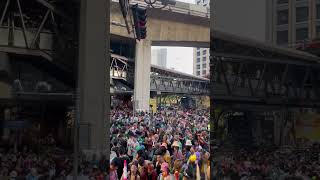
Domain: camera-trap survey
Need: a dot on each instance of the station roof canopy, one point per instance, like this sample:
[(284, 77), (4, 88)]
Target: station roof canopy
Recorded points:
[(229, 45)]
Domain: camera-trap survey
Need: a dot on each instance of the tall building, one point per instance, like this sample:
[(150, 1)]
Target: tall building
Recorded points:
[(245, 18), (282, 22), (159, 57), (201, 59), (201, 62), (295, 21)]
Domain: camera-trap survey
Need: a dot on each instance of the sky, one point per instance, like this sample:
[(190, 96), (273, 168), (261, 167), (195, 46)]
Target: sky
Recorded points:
[(179, 58)]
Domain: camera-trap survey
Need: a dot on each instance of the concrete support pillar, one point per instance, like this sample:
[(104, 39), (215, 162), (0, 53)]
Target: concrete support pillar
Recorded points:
[(142, 76), (93, 77)]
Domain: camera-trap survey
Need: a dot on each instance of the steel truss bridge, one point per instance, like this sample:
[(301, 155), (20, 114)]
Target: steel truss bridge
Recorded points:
[(249, 72), (163, 80), (255, 77)]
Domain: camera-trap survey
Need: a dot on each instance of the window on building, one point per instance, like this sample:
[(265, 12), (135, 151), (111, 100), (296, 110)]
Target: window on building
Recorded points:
[(204, 52), (204, 72), (301, 34), (198, 73), (198, 60), (198, 53), (198, 66), (318, 11), (302, 14), (282, 37), (204, 65), (283, 17), (318, 31), (204, 59), (282, 1)]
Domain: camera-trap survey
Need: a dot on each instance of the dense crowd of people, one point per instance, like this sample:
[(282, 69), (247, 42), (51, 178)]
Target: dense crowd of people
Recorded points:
[(168, 145), (172, 144), (274, 164), (29, 162)]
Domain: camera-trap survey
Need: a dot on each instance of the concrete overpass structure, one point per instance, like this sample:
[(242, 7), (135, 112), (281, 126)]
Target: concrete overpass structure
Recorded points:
[(182, 25)]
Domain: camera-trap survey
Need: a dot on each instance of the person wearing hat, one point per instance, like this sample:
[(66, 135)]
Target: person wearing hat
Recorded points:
[(178, 139), (177, 154), (188, 149)]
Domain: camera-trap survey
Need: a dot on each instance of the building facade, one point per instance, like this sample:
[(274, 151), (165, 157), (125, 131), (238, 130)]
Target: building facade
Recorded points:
[(159, 57), (282, 22), (295, 21), (201, 62), (201, 56)]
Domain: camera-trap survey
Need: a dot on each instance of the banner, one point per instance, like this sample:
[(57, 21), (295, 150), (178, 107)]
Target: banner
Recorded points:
[(153, 103)]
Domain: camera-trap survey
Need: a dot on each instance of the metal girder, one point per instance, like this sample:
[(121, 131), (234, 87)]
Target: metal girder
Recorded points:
[(28, 22), (281, 83), (24, 51), (172, 73), (178, 86), (4, 12)]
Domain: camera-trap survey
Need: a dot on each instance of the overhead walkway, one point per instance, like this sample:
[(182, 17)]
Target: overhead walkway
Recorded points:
[(253, 73), (163, 80)]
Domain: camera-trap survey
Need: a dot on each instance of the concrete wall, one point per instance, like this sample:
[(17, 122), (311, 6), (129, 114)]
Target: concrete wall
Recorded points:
[(247, 18), (167, 28)]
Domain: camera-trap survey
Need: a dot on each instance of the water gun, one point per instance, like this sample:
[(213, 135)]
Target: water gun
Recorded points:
[(125, 173), (176, 175)]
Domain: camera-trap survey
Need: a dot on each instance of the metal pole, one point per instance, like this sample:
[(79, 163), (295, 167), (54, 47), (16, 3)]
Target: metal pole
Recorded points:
[(76, 139)]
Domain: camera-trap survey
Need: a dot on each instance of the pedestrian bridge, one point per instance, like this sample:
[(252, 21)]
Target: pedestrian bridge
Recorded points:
[(163, 80)]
